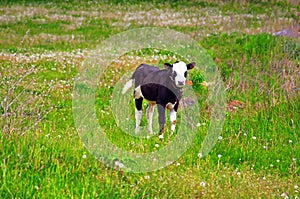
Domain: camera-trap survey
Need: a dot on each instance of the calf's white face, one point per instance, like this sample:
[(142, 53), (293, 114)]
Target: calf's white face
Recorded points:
[(179, 71)]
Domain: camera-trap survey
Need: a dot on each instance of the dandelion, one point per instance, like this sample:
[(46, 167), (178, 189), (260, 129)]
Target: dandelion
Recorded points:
[(290, 141), (83, 156), (277, 160), (219, 156)]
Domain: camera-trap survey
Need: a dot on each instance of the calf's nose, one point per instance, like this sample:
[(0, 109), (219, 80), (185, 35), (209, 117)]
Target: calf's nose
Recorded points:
[(181, 83)]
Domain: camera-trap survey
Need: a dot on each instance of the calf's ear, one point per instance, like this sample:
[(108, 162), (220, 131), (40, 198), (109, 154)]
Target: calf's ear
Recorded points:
[(191, 65), (168, 66)]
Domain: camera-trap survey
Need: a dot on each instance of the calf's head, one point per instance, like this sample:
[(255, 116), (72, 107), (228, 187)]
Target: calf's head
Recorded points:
[(178, 72)]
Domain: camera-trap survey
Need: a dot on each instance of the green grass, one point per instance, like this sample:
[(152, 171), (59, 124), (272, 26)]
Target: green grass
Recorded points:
[(41, 153)]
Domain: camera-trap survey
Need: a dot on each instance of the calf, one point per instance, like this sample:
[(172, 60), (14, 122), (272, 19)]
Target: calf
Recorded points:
[(161, 87)]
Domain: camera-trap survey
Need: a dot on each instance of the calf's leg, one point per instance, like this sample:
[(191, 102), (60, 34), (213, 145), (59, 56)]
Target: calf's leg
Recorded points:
[(138, 113), (149, 115), (161, 117), (172, 115)]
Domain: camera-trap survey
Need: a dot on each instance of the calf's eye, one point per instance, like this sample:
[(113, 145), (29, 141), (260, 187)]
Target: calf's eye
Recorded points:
[(185, 74)]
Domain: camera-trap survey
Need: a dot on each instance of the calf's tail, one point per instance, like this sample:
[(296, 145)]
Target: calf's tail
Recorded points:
[(127, 86)]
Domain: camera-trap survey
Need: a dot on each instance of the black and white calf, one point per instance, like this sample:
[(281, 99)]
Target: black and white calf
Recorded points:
[(161, 87)]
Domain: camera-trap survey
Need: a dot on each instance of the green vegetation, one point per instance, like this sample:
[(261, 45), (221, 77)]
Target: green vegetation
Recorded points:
[(42, 47)]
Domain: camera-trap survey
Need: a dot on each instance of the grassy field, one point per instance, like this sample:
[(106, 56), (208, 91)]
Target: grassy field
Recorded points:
[(42, 46)]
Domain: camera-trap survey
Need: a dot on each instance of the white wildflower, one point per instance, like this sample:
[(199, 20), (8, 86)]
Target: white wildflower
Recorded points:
[(200, 155), (202, 184), (284, 195), (121, 165)]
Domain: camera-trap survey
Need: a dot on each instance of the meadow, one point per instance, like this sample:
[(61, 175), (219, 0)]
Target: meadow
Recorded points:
[(42, 48)]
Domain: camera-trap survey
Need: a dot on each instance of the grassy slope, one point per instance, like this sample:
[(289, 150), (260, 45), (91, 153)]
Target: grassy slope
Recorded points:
[(260, 141)]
